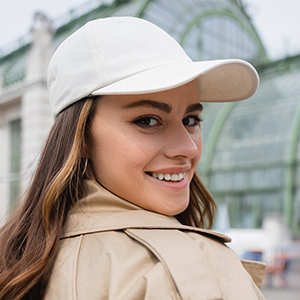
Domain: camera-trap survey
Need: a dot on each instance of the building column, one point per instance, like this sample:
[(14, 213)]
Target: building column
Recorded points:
[(35, 111)]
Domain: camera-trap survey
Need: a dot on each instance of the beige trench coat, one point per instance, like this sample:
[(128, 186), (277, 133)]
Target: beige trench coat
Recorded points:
[(112, 249)]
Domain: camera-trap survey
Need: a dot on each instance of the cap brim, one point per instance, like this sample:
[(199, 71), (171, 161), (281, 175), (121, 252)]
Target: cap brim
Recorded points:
[(223, 80)]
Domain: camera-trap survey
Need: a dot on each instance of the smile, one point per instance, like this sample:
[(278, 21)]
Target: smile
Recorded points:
[(168, 177)]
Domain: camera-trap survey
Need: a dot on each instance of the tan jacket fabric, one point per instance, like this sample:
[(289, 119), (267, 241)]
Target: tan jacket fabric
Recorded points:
[(112, 249)]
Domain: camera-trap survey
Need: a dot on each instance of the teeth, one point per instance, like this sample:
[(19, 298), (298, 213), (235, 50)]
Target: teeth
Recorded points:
[(174, 177), (169, 177), (159, 176)]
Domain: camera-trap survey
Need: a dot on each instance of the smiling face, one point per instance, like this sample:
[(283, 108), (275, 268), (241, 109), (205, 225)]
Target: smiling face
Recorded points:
[(145, 148)]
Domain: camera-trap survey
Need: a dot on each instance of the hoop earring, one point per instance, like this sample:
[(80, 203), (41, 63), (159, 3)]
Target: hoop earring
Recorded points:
[(85, 166)]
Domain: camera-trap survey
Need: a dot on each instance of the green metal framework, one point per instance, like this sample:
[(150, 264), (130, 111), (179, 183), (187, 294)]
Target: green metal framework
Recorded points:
[(212, 139), (251, 157), (291, 169), (247, 26), (179, 18)]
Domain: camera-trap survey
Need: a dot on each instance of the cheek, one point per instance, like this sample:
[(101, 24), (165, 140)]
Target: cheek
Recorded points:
[(198, 142), (102, 148), (200, 147), (115, 151)]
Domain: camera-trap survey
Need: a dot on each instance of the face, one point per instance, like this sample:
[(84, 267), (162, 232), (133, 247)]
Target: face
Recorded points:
[(145, 148)]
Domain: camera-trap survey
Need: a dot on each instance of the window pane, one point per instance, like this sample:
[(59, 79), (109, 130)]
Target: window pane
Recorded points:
[(15, 160)]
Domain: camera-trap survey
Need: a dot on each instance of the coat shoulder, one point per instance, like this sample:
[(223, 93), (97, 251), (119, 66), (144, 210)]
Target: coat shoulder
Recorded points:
[(102, 266)]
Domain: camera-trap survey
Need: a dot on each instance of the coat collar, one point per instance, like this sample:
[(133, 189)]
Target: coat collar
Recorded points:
[(100, 210)]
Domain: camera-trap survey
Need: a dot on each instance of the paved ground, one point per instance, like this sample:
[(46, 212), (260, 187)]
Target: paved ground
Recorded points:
[(292, 292)]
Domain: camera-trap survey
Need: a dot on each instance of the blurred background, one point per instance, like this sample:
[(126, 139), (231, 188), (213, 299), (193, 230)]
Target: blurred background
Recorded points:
[(251, 156)]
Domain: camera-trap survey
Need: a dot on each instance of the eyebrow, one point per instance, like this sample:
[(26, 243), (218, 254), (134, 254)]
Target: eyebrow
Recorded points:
[(194, 107), (155, 104), (163, 106)]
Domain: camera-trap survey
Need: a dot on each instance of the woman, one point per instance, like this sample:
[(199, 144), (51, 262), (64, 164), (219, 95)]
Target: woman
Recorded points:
[(115, 209)]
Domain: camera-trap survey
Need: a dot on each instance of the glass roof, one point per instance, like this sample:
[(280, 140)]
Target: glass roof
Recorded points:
[(182, 19), (207, 29)]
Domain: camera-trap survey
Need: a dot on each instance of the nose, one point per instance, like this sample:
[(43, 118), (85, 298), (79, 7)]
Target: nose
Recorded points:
[(181, 143)]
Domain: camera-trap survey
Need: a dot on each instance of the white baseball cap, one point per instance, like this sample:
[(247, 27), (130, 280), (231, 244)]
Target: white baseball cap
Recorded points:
[(127, 55)]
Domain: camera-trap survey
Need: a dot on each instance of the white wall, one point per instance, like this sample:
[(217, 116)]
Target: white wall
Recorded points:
[(27, 100), (7, 114)]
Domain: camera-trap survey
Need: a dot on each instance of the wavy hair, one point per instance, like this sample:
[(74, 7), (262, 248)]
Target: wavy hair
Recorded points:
[(29, 240)]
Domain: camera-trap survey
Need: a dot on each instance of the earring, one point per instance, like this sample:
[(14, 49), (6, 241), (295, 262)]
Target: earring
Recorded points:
[(85, 165)]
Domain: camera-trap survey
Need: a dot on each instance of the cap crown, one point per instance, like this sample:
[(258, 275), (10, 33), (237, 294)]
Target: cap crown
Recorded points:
[(105, 51)]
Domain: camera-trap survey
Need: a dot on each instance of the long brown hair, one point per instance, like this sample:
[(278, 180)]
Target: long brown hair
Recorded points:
[(29, 240), (201, 209)]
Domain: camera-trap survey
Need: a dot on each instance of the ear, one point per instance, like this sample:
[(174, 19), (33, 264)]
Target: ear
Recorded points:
[(89, 172)]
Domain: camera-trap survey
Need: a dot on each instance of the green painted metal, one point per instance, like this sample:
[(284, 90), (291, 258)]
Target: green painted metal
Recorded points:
[(144, 4), (248, 27), (210, 144), (256, 212), (254, 166), (290, 171), (253, 191)]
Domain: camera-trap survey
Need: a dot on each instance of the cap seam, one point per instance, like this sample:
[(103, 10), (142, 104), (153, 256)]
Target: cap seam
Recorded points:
[(95, 53)]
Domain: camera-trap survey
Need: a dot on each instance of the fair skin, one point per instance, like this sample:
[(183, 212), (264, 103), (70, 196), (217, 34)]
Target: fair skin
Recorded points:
[(145, 148)]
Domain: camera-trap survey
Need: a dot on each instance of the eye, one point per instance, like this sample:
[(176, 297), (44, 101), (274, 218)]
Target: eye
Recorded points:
[(192, 121), (147, 122)]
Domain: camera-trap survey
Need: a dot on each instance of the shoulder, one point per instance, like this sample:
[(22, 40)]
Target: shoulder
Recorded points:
[(256, 269), (106, 265), (133, 262), (226, 263)]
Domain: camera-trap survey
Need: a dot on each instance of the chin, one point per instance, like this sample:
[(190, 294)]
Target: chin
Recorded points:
[(174, 211)]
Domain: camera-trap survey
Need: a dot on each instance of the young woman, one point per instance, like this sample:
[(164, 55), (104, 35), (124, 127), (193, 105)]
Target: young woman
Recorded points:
[(115, 209)]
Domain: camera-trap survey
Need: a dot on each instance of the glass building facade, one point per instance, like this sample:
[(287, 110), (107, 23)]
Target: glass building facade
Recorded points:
[(251, 157)]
